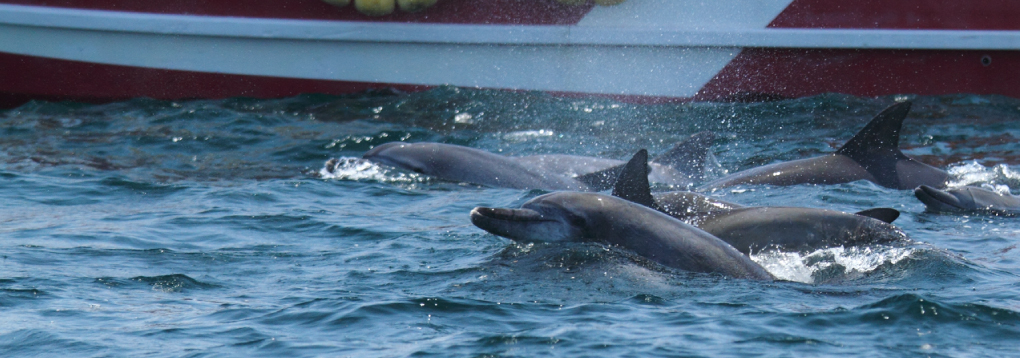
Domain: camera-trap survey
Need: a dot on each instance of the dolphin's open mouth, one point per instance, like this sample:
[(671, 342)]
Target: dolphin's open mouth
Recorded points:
[(937, 199)]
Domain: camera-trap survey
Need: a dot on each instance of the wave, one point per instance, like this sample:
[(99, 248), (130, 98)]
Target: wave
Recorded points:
[(174, 283)]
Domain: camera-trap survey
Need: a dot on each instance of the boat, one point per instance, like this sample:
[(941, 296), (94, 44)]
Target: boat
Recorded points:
[(637, 50)]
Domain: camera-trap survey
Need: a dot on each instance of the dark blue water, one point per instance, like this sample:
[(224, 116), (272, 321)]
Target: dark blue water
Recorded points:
[(194, 228)]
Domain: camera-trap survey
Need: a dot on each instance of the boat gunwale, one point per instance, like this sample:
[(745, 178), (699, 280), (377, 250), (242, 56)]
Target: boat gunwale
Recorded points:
[(513, 35)]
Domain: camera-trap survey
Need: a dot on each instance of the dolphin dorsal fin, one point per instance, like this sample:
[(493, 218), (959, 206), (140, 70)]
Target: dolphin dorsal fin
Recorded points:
[(688, 157), (881, 133), (632, 184), (876, 146), (885, 214)]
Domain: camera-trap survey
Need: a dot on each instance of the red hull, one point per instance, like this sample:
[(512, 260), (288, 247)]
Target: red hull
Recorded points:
[(27, 78), (797, 73), (755, 73)]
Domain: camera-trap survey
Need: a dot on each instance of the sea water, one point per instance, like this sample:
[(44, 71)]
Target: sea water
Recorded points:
[(214, 228)]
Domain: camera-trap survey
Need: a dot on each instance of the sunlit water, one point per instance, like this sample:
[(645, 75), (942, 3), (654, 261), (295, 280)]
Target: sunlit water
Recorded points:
[(152, 228)]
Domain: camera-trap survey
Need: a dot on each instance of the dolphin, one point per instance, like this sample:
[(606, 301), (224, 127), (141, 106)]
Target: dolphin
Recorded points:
[(465, 164), (592, 217), (756, 228), (873, 154), (967, 199), (683, 165)]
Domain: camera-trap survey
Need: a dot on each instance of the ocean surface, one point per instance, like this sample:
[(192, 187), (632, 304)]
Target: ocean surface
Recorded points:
[(211, 228)]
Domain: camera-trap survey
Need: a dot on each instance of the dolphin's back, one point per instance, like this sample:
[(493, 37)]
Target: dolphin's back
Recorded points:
[(668, 241), (795, 229), (575, 165), (572, 165), (913, 173), (682, 165), (827, 169), (470, 165), (872, 154), (876, 149)]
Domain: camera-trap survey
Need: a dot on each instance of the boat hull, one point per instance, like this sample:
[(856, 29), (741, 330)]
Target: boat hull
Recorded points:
[(94, 54)]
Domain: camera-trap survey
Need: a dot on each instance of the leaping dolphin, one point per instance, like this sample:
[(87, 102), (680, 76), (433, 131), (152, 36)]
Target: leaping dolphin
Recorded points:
[(591, 217), (757, 228), (464, 164), (873, 154), (967, 199)]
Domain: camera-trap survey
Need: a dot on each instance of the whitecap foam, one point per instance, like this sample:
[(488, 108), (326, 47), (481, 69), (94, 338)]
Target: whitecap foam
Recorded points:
[(800, 267)]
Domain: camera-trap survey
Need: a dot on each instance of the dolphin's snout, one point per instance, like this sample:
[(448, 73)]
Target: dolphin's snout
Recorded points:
[(937, 199), (480, 213), (510, 223), (504, 214)]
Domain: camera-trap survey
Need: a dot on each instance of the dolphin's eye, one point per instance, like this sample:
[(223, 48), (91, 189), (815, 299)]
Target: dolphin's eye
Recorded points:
[(576, 220)]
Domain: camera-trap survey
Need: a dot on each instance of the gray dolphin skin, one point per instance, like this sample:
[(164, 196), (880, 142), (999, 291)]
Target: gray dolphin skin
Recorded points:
[(795, 229), (469, 165), (591, 217), (873, 154), (967, 199), (756, 228), (680, 165)]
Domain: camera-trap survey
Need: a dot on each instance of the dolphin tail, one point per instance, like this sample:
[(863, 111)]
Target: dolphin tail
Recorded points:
[(876, 147), (885, 214), (688, 157), (632, 183)]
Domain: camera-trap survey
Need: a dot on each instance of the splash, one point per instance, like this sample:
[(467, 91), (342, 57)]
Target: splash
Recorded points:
[(804, 267), (521, 136), (351, 168), (998, 178)]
